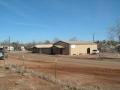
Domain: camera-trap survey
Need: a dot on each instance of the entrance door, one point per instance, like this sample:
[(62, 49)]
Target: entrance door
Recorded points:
[(61, 51), (88, 50), (52, 53)]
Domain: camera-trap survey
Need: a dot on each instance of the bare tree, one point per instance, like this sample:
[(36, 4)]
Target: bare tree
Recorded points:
[(47, 42), (114, 32), (56, 40), (114, 35), (73, 39), (5, 43), (16, 45)]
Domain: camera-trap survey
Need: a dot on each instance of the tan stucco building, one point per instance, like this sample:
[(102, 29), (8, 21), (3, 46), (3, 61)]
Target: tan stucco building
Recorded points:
[(66, 48), (74, 47)]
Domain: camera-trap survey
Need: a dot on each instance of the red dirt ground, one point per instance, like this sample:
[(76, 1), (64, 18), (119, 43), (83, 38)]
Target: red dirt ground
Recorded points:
[(14, 81), (81, 71)]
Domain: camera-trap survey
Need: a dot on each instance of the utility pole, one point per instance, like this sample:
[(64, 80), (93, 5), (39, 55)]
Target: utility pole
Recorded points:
[(56, 70), (93, 37)]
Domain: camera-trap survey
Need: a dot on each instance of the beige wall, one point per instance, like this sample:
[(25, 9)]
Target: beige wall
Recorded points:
[(81, 49)]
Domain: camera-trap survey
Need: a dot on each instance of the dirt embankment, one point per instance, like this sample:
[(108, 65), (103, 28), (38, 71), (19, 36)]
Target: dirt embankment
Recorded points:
[(14, 81)]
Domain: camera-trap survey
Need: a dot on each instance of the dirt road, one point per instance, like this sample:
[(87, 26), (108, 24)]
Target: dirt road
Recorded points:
[(14, 81), (104, 74)]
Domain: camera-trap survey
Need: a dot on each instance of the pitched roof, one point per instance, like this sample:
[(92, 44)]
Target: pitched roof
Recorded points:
[(58, 46), (44, 46), (78, 42)]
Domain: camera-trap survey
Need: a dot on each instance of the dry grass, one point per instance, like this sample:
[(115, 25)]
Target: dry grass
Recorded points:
[(75, 73), (30, 73), (11, 79)]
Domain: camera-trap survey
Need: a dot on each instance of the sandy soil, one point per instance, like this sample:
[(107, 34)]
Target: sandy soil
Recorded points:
[(88, 72), (14, 81)]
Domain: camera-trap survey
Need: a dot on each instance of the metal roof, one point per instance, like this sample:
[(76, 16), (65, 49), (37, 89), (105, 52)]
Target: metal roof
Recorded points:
[(78, 42), (59, 46), (44, 46)]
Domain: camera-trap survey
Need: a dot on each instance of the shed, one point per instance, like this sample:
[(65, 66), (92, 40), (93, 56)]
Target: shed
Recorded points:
[(42, 48)]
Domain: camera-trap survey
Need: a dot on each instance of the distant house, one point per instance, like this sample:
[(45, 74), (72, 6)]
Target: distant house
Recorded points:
[(42, 48), (73, 47), (22, 48), (66, 48), (118, 48), (9, 48)]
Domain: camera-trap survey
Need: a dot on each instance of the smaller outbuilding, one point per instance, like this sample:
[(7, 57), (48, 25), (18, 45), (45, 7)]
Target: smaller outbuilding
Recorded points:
[(9, 48), (42, 48)]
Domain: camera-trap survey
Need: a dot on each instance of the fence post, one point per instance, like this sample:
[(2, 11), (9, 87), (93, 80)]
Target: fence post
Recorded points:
[(55, 68)]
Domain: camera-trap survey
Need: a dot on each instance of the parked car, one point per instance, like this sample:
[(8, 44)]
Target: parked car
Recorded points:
[(3, 54), (95, 51)]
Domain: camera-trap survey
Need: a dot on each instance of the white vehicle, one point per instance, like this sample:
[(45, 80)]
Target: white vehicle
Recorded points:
[(95, 51)]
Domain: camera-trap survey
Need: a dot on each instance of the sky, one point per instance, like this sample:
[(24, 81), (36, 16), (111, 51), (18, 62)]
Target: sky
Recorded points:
[(39, 20)]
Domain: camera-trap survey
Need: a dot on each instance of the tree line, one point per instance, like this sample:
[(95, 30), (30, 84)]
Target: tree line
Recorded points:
[(103, 45)]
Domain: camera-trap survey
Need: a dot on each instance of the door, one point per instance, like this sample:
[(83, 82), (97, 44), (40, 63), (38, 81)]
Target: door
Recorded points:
[(61, 51), (88, 50)]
